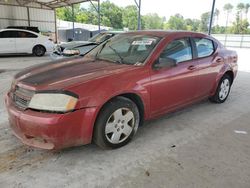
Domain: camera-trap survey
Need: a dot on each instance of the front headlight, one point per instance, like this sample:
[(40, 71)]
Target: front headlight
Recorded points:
[(54, 102), (13, 84), (71, 52)]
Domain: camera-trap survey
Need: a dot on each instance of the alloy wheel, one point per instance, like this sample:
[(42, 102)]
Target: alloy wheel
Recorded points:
[(119, 125), (224, 89)]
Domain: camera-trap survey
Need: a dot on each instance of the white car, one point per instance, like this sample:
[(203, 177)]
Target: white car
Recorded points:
[(21, 41)]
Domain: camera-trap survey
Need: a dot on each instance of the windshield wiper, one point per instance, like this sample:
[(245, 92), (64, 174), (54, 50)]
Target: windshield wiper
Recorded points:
[(99, 51), (121, 58)]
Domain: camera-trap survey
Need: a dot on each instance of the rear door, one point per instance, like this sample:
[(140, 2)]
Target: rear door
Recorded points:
[(25, 41), (7, 42), (208, 65)]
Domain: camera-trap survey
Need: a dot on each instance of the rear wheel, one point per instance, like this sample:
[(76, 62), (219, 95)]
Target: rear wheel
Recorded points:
[(117, 123), (39, 50), (222, 90)]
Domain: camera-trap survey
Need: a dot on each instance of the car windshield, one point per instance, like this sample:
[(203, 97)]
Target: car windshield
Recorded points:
[(101, 37), (126, 49)]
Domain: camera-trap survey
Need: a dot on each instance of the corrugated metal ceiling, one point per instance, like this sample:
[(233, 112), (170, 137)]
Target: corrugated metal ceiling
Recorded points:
[(43, 4)]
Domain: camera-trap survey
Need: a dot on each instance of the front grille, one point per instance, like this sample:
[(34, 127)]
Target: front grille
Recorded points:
[(21, 97)]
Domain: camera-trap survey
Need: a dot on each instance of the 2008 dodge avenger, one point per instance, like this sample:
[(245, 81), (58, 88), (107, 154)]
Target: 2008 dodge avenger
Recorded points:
[(104, 96)]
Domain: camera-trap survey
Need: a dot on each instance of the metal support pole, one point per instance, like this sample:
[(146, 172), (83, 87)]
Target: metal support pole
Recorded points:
[(225, 41), (73, 20), (99, 17), (28, 14), (211, 18), (98, 12), (139, 14), (56, 35)]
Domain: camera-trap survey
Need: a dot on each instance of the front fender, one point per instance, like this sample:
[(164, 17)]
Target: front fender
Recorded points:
[(97, 92)]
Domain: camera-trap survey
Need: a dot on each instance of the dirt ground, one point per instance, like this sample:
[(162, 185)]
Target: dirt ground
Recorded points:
[(204, 145)]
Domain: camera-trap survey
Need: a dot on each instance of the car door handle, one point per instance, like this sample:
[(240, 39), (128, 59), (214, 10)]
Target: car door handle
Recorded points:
[(191, 67), (219, 60)]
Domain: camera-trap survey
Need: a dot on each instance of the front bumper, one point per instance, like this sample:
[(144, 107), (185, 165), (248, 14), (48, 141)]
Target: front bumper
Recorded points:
[(51, 131), (55, 56)]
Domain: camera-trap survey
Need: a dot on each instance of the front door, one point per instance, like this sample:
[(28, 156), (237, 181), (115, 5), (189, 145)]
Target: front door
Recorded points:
[(174, 86)]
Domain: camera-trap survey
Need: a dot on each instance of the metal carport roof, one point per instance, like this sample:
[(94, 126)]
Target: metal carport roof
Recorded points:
[(50, 5), (43, 4)]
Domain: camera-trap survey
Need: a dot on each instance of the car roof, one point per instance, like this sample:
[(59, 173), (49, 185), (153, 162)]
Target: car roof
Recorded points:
[(163, 33), (19, 30)]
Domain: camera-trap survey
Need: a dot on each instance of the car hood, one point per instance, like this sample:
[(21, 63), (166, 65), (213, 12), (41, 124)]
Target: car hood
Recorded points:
[(62, 74), (75, 44)]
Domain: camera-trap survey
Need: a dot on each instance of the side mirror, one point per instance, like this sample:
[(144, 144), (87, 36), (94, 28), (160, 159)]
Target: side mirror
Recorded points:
[(164, 62)]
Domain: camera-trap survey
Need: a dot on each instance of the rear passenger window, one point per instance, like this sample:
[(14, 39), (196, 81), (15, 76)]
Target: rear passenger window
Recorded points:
[(205, 47), (179, 50), (23, 34)]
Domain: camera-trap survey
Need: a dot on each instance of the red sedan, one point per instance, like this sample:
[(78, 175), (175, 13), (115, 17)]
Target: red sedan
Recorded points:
[(106, 95)]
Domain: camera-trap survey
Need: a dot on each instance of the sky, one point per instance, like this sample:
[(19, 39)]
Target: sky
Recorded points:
[(187, 8)]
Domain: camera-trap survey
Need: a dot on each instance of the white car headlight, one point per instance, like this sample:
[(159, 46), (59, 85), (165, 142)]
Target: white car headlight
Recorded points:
[(55, 102)]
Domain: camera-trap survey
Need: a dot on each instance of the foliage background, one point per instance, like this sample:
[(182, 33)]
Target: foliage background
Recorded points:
[(119, 18)]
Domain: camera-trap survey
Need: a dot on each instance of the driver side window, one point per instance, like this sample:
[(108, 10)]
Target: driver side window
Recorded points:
[(178, 50)]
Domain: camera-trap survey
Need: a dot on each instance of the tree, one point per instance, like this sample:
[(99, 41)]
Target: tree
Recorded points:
[(228, 8), (65, 13), (152, 21), (192, 24), (129, 17), (247, 6), (189, 24), (204, 22), (111, 15), (240, 26), (240, 8), (216, 16), (82, 16), (176, 22), (92, 16), (218, 29)]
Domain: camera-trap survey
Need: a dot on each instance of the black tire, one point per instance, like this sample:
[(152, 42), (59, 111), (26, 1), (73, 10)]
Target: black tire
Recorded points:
[(216, 98), (39, 50), (106, 114)]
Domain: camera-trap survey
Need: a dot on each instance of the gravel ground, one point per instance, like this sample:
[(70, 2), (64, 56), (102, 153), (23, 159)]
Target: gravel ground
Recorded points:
[(204, 145)]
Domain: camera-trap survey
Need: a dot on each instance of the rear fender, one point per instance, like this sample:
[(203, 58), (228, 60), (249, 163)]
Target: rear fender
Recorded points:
[(223, 70)]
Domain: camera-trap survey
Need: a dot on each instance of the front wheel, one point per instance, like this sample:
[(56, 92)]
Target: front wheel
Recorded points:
[(117, 123), (222, 90)]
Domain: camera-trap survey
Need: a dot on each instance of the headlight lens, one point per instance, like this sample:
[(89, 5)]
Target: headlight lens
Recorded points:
[(55, 102), (13, 84), (71, 52)]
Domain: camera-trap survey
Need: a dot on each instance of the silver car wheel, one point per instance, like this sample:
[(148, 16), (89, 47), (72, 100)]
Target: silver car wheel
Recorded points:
[(120, 125), (224, 89)]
